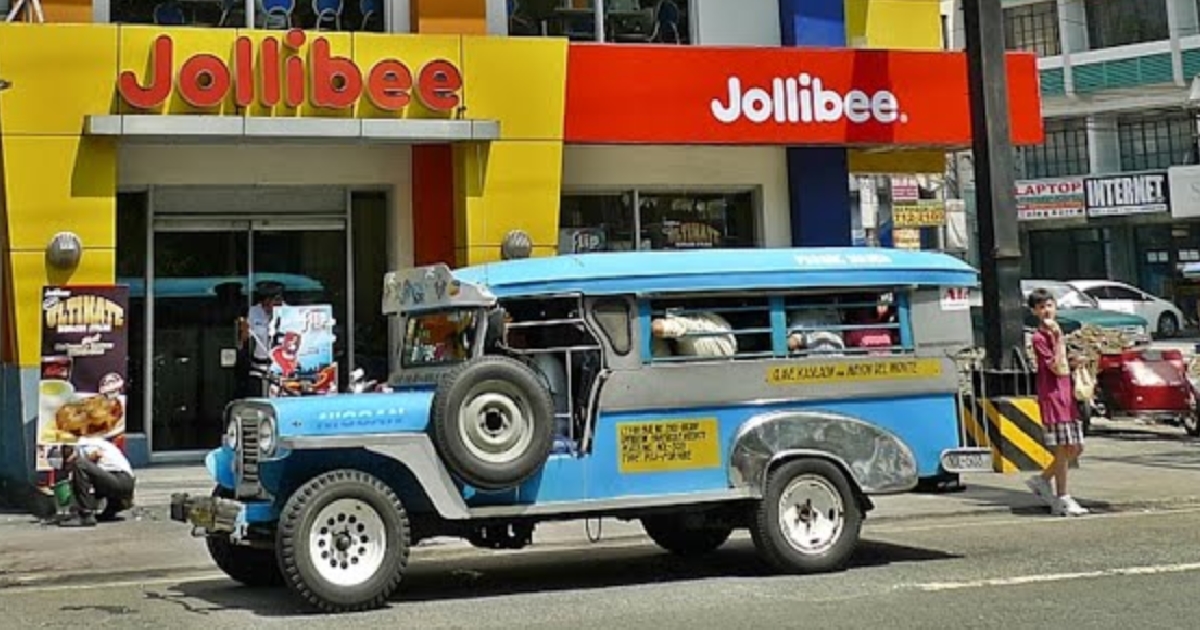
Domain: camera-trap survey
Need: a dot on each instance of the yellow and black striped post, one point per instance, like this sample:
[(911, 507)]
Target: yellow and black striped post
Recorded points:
[(1012, 427)]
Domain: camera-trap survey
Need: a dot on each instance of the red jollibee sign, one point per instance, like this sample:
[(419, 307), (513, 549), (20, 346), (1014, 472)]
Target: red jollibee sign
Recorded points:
[(281, 76)]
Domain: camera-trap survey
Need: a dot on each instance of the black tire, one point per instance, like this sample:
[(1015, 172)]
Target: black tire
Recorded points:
[(298, 520), (1085, 416), (1167, 327), (524, 391), (673, 534), (1191, 424), (773, 544), (249, 566)]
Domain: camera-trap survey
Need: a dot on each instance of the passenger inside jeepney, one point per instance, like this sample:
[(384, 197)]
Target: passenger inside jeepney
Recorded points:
[(866, 335), (689, 335), (818, 331)]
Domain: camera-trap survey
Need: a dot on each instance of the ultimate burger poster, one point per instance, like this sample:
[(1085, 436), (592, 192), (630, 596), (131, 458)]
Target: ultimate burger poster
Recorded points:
[(85, 347)]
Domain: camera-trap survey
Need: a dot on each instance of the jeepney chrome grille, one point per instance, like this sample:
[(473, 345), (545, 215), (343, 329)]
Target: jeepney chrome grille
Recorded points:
[(248, 450)]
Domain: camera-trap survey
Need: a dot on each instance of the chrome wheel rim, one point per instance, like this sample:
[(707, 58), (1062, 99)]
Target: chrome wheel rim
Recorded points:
[(495, 423), (347, 542), (811, 514)]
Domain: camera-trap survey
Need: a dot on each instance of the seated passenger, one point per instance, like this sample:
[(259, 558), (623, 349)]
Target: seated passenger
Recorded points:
[(678, 328), (871, 337), (812, 340)]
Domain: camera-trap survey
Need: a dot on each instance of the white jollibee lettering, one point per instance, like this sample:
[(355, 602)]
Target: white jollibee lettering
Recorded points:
[(804, 99)]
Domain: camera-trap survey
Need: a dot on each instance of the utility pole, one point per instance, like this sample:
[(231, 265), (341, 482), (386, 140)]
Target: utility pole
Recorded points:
[(991, 143)]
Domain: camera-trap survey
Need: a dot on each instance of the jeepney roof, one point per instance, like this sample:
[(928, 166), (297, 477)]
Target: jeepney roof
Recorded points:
[(689, 271)]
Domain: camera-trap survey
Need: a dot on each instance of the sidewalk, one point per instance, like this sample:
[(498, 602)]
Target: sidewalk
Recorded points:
[(1132, 468)]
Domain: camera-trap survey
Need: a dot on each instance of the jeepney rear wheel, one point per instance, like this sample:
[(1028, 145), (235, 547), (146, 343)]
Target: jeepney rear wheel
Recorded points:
[(250, 566), (493, 422), (808, 520), (343, 542), (674, 534)]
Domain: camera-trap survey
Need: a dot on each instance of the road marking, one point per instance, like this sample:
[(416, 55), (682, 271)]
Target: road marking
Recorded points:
[(1020, 580)]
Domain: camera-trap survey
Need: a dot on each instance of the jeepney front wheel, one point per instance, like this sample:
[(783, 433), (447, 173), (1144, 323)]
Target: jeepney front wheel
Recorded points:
[(250, 566), (344, 540), (808, 520)]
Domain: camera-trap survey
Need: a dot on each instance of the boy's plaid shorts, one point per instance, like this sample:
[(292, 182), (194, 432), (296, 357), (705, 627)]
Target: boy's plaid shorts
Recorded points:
[(1064, 433)]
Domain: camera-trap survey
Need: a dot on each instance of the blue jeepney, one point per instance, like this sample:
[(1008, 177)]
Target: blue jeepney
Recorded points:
[(698, 392)]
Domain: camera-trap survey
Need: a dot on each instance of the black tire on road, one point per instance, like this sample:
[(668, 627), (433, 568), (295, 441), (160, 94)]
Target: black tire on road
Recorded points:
[(519, 413), (251, 566), (299, 519), (1168, 326), (1191, 424), (673, 534), (775, 546), (1085, 416)]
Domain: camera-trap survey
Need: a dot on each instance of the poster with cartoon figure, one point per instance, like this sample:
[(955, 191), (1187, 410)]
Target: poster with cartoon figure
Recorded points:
[(85, 351), (302, 349)]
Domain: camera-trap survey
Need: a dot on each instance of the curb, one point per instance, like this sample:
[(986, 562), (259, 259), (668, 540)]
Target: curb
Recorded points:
[(1099, 507)]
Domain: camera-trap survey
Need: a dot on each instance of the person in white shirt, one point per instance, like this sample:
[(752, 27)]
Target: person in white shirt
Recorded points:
[(678, 328), (255, 336), (99, 472)]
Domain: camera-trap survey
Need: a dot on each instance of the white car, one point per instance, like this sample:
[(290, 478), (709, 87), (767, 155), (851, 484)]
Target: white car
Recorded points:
[(1164, 317)]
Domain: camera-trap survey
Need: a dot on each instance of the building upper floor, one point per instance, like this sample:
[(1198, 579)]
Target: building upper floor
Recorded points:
[(1098, 56), (681, 22), (673, 22)]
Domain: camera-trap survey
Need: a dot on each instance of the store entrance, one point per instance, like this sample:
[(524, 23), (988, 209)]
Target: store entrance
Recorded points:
[(206, 275)]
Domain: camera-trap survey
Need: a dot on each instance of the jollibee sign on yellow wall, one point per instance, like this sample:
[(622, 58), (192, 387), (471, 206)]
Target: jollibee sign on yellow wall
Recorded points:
[(280, 74)]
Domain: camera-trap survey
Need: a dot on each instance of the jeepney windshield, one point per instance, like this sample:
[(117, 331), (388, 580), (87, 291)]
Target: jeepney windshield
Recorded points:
[(439, 338)]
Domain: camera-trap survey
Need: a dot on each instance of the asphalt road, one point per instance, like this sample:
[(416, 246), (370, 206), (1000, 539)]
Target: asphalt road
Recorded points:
[(1132, 570)]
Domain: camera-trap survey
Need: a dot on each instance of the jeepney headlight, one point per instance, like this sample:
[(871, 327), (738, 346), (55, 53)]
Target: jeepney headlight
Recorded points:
[(266, 437), (231, 434)]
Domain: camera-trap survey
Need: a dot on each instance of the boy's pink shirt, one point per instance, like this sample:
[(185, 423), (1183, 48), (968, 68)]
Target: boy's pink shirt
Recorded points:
[(1055, 398)]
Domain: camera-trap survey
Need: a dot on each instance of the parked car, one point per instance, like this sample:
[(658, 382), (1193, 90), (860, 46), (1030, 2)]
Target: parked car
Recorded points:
[(1166, 318), (1075, 309)]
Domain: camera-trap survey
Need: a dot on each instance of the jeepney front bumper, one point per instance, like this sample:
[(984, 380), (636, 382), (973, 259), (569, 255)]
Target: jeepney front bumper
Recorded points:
[(213, 515)]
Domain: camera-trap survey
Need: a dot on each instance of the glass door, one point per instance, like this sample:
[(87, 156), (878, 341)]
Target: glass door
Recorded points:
[(199, 291), (206, 277), (309, 259)]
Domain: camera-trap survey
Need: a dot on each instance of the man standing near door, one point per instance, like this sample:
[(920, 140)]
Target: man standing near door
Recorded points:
[(254, 335)]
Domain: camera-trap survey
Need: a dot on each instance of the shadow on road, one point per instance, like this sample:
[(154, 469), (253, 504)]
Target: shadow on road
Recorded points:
[(509, 574)]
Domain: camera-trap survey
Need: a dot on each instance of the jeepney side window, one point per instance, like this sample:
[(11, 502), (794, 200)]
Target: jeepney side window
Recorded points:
[(440, 338), (711, 327), (614, 318), (847, 324)]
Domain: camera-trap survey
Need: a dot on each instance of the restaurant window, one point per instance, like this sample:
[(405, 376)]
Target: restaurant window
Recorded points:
[(1064, 152), (319, 15), (1033, 28), (1156, 140), (663, 220), (622, 21), (1122, 22)]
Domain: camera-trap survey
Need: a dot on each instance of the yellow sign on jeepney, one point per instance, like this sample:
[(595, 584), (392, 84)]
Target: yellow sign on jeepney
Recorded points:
[(668, 445), (826, 372)]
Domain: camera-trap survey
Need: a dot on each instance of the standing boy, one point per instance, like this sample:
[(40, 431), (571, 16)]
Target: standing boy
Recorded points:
[(1063, 431)]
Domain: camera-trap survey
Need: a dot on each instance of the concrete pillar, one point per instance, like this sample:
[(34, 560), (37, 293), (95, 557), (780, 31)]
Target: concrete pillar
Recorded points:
[(818, 177), (1072, 26)]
